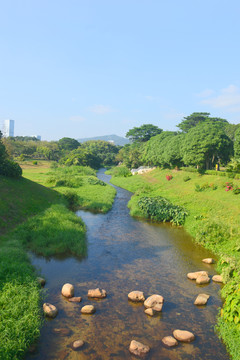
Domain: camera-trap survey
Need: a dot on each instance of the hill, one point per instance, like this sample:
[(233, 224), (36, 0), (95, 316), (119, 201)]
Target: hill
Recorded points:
[(118, 140)]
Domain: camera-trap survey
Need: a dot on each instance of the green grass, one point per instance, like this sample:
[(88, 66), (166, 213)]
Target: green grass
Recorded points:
[(90, 196), (213, 221)]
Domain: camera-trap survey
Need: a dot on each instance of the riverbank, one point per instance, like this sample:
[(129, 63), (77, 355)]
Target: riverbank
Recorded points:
[(213, 221), (37, 218)]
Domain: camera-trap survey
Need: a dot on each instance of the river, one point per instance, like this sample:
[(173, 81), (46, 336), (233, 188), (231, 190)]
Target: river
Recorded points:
[(126, 254)]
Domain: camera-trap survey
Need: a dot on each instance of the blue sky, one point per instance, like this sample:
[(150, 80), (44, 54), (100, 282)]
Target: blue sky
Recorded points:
[(96, 67)]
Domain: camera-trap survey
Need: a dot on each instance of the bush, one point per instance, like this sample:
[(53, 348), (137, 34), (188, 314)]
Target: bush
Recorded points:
[(72, 199), (35, 162), (96, 181), (186, 178), (169, 177), (121, 171), (10, 168), (160, 209)]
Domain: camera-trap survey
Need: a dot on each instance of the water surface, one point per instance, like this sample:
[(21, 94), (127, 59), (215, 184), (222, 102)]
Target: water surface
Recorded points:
[(125, 254)]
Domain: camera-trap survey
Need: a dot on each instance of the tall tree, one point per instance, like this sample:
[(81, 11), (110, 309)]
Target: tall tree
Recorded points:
[(196, 118), (143, 133), (237, 144), (67, 143), (206, 145)]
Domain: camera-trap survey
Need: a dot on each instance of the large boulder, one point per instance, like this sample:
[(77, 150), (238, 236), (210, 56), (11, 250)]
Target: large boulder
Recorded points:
[(169, 341), (88, 309), (155, 302), (50, 310), (196, 274), (68, 290), (201, 299), (183, 335), (97, 293), (136, 296), (202, 279), (138, 348), (217, 278)]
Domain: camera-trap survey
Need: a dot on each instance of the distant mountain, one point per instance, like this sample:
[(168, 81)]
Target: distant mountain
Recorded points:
[(118, 140)]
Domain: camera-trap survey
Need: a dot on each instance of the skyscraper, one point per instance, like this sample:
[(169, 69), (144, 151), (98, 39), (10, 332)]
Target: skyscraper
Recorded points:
[(8, 128)]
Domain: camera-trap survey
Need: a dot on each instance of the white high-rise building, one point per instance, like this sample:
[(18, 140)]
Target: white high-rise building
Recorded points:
[(8, 128)]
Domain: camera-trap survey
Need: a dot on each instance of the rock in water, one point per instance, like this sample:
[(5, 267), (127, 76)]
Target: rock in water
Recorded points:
[(201, 299), (183, 335), (138, 348), (75, 299), (202, 279), (217, 278), (136, 296), (97, 293), (150, 312), (77, 344), (50, 310), (155, 302), (208, 261), (41, 281), (68, 290), (169, 341), (196, 274), (88, 309)]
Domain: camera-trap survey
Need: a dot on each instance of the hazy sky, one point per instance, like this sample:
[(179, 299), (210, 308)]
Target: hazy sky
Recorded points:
[(95, 67)]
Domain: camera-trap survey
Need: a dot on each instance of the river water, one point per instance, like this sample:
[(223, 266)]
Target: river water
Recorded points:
[(126, 254)]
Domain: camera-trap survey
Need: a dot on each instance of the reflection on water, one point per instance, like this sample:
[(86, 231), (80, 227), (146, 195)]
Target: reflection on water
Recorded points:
[(126, 254)]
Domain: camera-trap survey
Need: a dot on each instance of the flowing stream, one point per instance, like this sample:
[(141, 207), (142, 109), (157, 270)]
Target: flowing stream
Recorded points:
[(125, 254)]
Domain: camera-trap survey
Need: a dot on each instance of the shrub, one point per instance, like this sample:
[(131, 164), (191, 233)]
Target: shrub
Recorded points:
[(96, 181), (121, 171), (160, 209), (72, 199), (186, 178), (54, 165), (10, 168), (169, 177), (35, 162)]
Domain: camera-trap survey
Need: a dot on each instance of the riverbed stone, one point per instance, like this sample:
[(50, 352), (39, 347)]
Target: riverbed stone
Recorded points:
[(75, 299), (183, 335), (136, 296), (77, 344), (62, 331), (208, 261), (138, 348), (196, 274), (50, 310), (41, 281), (169, 341), (217, 278), (155, 302), (201, 299), (88, 309), (97, 293), (202, 279), (150, 311), (68, 290)]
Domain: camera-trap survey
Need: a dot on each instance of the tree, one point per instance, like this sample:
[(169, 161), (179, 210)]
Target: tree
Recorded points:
[(143, 133), (196, 118), (237, 144), (206, 145), (105, 150), (153, 153), (82, 157), (67, 143), (131, 155)]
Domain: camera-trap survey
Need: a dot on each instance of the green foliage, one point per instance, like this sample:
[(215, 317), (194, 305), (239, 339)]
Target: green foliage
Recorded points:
[(237, 143), (105, 150), (233, 166), (72, 200), (160, 209), (67, 143), (205, 145), (56, 231), (10, 168), (35, 162), (96, 181), (131, 155), (205, 186), (121, 171), (186, 178), (197, 118), (143, 133)]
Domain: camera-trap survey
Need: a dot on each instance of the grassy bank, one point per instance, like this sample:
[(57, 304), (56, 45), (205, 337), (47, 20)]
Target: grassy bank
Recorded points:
[(213, 220), (35, 215)]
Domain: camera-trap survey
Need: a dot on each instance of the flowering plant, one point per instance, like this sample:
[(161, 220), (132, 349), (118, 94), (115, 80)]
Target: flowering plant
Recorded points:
[(169, 177)]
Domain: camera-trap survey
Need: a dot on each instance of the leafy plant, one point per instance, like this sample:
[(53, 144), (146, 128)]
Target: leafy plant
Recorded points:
[(96, 181), (186, 178), (169, 177), (160, 209)]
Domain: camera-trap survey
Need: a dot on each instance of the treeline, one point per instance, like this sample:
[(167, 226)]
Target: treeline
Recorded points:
[(7, 166), (66, 151), (202, 141)]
